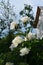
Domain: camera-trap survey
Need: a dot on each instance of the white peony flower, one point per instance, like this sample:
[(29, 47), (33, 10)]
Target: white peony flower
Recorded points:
[(24, 51), (11, 47), (17, 40), (25, 39), (25, 19), (13, 25), (9, 63), (30, 36)]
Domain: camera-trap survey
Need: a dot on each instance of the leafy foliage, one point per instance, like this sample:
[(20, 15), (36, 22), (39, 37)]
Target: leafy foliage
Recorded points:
[(27, 11), (35, 55), (7, 15)]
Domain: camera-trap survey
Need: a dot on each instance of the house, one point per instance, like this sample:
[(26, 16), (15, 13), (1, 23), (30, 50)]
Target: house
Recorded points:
[(38, 23)]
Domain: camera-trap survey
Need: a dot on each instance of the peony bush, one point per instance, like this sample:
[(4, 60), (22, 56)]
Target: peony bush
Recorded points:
[(21, 48), (25, 53)]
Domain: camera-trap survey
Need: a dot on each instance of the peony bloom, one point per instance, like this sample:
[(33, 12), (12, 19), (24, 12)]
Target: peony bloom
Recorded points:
[(25, 39), (24, 51), (9, 63), (17, 40), (30, 36), (25, 19), (13, 25)]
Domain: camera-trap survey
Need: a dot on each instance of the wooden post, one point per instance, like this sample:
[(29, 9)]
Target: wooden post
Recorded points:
[(37, 17)]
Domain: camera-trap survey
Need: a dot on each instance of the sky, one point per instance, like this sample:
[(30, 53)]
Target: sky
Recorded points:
[(19, 4)]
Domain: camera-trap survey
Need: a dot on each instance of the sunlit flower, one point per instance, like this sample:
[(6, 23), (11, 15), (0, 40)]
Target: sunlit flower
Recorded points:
[(30, 36), (16, 41), (9, 63), (25, 19), (24, 51), (25, 39), (13, 25)]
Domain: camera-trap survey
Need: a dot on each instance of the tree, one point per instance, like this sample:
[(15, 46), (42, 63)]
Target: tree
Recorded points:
[(7, 14), (27, 11)]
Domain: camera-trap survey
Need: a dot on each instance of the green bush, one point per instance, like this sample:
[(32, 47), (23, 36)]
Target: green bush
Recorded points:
[(35, 56)]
